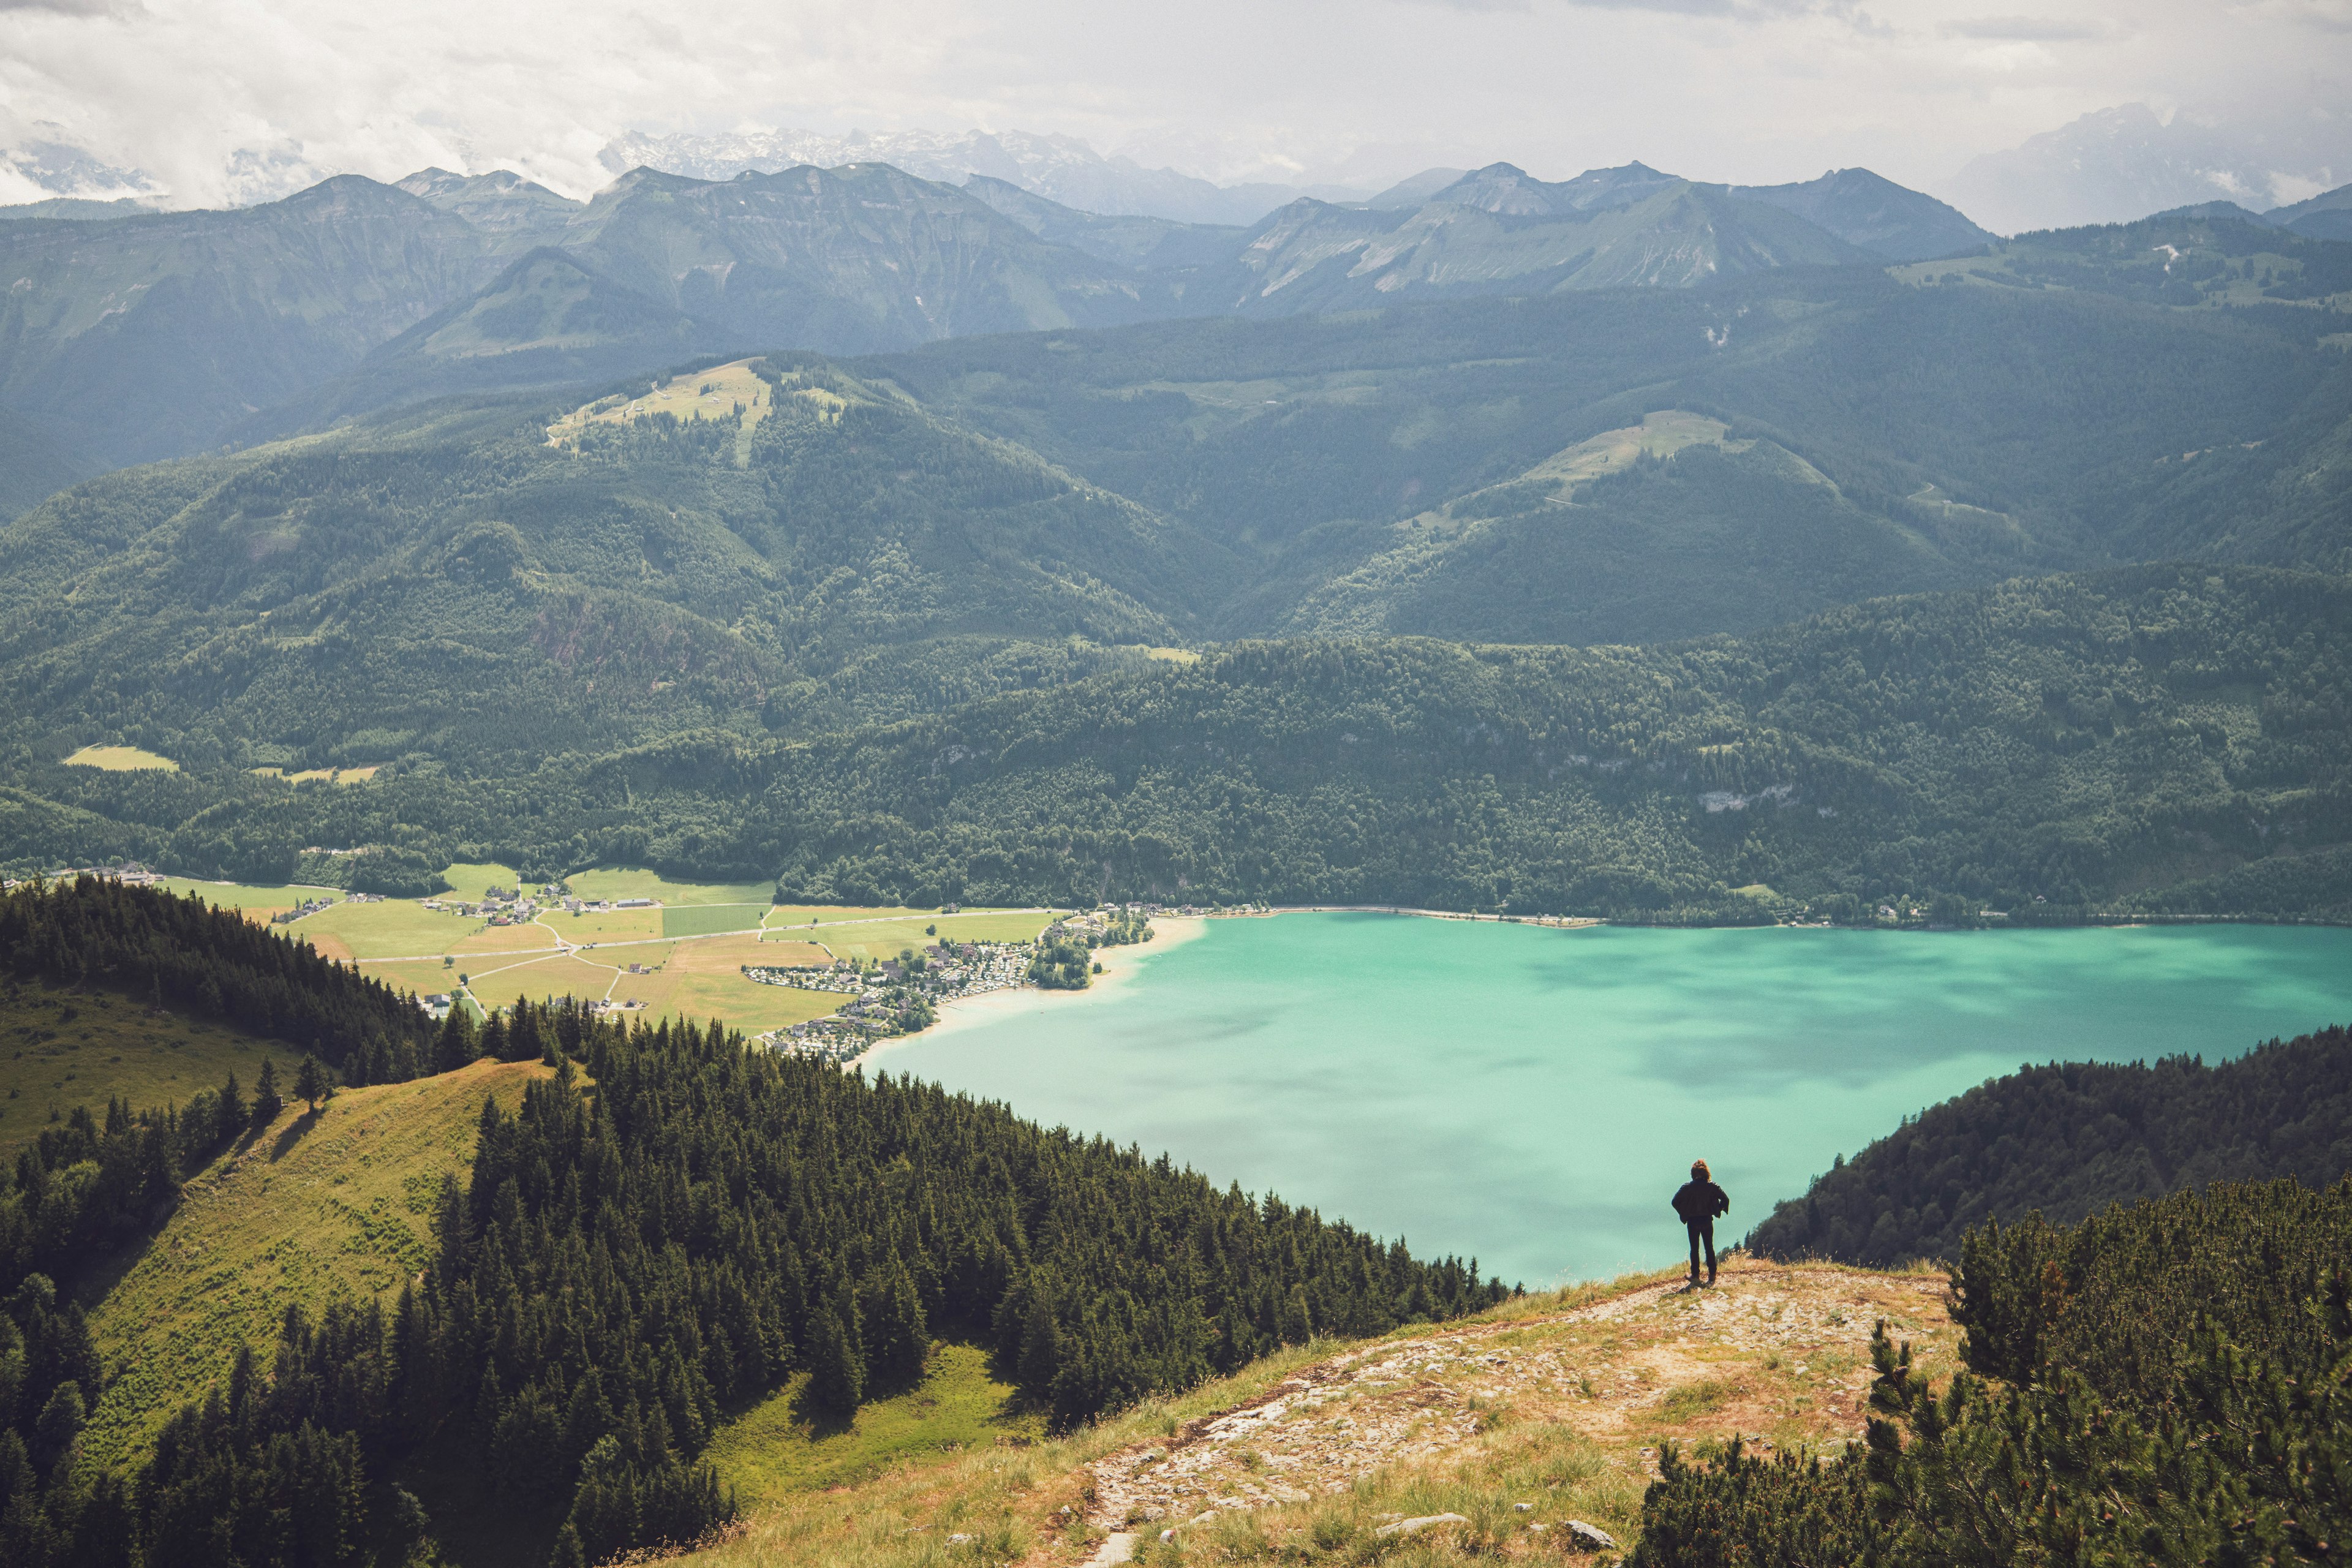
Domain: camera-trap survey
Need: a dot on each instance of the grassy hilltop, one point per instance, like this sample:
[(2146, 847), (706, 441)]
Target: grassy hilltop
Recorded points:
[(335, 1203), (1548, 1410)]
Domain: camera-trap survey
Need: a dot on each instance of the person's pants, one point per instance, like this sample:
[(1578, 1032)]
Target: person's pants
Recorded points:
[(1702, 1235)]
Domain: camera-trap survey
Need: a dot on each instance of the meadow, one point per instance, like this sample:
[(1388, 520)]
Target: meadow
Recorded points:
[(614, 885), (777, 1448), (61, 1048), (335, 1202), (318, 775), (120, 760)]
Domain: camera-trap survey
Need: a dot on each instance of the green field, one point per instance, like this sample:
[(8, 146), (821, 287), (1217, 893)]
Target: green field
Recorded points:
[(789, 915), (59, 1049), (710, 919), (120, 760), (247, 896), (339, 1203), (470, 882), (609, 925), (627, 883), (774, 1450), (394, 928)]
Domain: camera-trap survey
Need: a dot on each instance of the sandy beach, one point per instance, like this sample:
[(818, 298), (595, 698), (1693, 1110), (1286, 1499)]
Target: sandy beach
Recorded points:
[(1120, 964)]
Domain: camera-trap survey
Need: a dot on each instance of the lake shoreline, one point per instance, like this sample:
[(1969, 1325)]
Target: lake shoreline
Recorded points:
[(1120, 964)]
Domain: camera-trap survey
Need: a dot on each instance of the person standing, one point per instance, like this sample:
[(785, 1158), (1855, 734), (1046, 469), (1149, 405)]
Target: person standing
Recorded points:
[(1698, 1201)]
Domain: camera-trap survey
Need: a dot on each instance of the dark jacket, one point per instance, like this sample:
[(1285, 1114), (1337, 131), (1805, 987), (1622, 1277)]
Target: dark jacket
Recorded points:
[(1700, 1201)]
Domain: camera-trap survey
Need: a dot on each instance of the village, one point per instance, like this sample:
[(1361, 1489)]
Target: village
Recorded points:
[(898, 996)]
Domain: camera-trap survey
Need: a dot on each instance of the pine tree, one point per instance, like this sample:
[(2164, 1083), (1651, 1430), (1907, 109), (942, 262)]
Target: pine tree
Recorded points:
[(233, 1111), (896, 1335), (836, 1373), (267, 1102), (310, 1083), (455, 1045), (1041, 1341)]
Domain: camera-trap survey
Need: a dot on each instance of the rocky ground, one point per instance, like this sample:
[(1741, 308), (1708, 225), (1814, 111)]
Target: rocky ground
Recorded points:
[(1777, 1356)]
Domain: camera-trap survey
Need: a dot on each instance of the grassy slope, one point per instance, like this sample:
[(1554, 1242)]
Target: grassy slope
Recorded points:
[(1557, 1401), (63, 1048), (775, 1450), (339, 1202)]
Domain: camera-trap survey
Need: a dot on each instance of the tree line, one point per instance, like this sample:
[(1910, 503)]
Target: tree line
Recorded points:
[(2069, 1139), (179, 952), (2032, 747), (2169, 1382)]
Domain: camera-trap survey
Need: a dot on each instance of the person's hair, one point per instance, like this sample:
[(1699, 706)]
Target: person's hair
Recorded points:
[(1699, 1172)]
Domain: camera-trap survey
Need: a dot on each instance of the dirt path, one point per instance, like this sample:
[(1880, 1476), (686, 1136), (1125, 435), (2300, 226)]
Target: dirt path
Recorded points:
[(1777, 1355)]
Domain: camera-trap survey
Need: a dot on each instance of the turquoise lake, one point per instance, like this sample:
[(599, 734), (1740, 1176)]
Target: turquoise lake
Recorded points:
[(1533, 1096)]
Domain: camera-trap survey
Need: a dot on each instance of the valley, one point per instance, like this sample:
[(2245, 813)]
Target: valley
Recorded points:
[(625, 745)]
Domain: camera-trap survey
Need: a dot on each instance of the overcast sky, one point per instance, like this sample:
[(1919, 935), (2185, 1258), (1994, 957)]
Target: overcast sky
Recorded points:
[(216, 98)]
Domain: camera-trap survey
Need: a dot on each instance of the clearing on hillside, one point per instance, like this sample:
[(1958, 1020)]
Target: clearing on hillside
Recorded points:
[(315, 1205), (312, 775), (776, 1449), (60, 1048), (120, 760), (720, 392)]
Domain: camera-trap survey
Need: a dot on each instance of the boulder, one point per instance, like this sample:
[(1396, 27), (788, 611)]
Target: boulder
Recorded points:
[(1590, 1538), (1415, 1526)]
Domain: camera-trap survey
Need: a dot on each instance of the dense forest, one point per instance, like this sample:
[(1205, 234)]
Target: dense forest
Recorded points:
[(2069, 1139), (2164, 1383), (630, 1260), (179, 951), (2036, 747)]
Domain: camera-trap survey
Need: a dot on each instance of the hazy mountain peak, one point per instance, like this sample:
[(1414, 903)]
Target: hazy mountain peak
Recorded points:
[(79, 207), (1419, 188), (2338, 200), (1869, 210), (1505, 189), (1062, 169), (1508, 190), (2112, 167), (500, 201), (2225, 211)]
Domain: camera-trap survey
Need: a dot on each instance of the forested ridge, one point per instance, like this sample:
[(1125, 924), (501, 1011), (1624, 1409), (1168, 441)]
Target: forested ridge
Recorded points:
[(631, 1261), (2069, 1139), (2040, 747), (2163, 1383), (163, 949)]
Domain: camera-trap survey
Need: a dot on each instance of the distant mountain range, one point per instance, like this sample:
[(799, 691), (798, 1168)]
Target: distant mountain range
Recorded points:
[(1060, 168), (129, 337)]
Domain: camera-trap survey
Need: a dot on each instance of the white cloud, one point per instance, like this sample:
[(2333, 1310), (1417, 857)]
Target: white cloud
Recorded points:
[(1734, 89), (2034, 30)]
